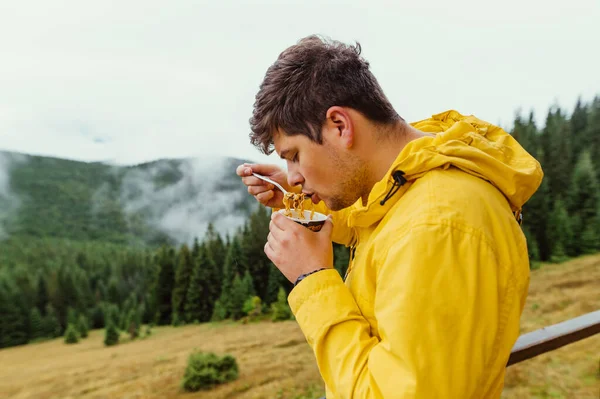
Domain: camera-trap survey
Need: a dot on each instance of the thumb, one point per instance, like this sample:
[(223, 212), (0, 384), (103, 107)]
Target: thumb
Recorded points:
[(327, 228)]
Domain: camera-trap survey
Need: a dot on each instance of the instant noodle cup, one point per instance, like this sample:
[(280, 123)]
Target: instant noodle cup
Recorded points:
[(316, 224)]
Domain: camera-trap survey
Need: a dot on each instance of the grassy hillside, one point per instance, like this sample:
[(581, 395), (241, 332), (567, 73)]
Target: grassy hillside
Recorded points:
[(276, 362)]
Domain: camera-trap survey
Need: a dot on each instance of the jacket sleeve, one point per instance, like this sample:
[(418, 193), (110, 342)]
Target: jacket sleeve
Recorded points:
[(440, 311)]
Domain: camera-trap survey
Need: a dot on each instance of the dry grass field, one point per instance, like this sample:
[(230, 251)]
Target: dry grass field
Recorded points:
[(557, 293), (275, 361)]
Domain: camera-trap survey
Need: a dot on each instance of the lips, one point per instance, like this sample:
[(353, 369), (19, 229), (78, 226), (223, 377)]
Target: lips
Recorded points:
[(313, 196)]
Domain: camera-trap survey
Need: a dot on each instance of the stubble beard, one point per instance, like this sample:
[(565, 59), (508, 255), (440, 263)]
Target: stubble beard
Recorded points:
[(352, 181)]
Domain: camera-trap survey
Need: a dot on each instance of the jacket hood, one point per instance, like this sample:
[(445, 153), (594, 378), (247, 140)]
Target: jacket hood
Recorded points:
[(465, 142)]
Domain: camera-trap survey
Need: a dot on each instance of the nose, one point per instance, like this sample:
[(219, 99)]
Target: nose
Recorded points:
[(294, 178)]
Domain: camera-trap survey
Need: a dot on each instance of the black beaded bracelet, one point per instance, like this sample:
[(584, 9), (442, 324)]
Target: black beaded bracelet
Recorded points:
[(303, 276)]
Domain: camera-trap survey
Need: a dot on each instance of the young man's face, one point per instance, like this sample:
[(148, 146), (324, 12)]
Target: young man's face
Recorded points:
[(325, 171)]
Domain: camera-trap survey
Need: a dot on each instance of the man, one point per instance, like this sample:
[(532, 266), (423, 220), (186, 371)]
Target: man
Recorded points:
[(439, 269)]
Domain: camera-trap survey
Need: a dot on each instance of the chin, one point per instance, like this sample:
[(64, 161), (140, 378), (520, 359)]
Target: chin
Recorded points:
[(334, 206), (339, 203)]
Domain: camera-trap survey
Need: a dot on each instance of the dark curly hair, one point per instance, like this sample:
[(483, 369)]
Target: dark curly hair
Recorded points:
[(305, 81)]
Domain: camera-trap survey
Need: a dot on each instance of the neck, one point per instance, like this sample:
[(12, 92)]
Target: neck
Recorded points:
[(387, 143)]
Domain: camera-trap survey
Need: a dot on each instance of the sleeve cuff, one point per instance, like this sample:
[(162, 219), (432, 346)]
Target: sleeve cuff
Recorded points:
[(320, 300)]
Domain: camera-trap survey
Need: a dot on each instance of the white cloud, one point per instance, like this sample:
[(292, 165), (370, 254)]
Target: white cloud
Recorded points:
[(184, 209), (138, 80)]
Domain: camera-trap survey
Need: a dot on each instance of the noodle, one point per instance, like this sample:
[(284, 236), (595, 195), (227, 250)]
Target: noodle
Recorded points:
[(296, 201)]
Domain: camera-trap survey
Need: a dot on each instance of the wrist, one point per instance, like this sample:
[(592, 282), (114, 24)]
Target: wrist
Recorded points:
[(303, 276)]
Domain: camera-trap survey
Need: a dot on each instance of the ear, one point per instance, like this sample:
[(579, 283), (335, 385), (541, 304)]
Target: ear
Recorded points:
[(339, 127)]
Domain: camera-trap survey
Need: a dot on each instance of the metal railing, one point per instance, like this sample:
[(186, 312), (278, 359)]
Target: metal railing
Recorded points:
[(555, 336)]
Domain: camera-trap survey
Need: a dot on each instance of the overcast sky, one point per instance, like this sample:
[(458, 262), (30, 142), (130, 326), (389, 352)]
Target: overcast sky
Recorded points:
[(132, 81)]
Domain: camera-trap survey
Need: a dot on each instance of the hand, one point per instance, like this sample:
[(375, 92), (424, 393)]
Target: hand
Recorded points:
[(296, 250), (264, 192)]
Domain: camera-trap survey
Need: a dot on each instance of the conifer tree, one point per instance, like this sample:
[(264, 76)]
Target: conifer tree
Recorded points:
[(198, 306), (52, 327), (579, 120), (183, 275), (592, 136), (557, 153), (239, 294), (42, 295), (583, 200), (111, 333), (234, 261), (535, 219), (236, 258), (114, 295), (532, 247), (195, 248), (216, 253), (36, 324), (252, 245), (82, 326), (525, 132), (276, 280), (133, 323), (71, 336), (560, 234), (248, 285), (219, 312), (14, 325), (164, 287), (589, 241)]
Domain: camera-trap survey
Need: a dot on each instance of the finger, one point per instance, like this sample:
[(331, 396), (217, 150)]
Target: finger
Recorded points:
[(243, 170), (265, 197), (270, 253), (327, 228), (255, 190), (273, 242), (264, 169), (283, 222), (276, 231), (255, 181)]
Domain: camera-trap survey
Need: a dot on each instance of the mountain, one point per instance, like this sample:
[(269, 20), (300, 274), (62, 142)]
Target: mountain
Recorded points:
[(164, 201)]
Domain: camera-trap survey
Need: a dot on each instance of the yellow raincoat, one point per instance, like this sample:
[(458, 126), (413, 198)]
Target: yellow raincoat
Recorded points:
[(431, 303)]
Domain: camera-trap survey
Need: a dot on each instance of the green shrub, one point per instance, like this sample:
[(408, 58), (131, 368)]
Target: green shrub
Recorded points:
[(205, 370), (71, 316), (281, 310), (82, 326), (148, 331), (71, 335), (134, 330), (111, 336), (253, 306), (219, 311)]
